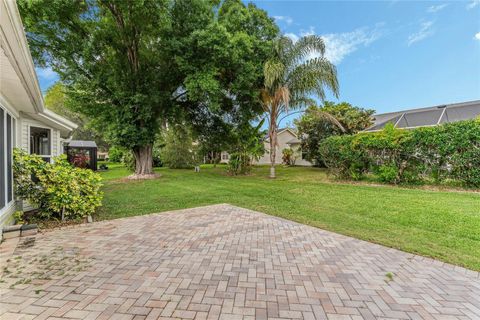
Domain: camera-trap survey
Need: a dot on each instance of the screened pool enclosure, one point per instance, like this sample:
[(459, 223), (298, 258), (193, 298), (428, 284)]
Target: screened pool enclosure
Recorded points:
[(427, 117)]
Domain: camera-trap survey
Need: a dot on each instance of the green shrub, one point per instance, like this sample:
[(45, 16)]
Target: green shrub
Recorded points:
[(442, 153), (57, 189), (239, 163), (342, 158), (289, 156), (115, 154), (388, 173), (389, 148), (128, 160), (179, 151), (157, 155)]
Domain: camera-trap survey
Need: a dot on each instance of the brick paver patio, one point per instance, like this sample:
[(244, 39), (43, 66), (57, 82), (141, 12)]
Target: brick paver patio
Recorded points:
[(224, 262)]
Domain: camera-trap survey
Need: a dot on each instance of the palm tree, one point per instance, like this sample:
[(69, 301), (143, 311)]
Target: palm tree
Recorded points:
[(295, 72)]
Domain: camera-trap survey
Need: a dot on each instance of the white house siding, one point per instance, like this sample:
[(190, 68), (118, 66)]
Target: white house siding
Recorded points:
[(55, 143), (26, 123), (298, 152), (21, 97), (283, 138), (224, 157)]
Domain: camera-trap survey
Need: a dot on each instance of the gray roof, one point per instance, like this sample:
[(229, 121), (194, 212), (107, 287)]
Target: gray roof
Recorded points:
[(82, 144), (425, 117), (294, 141)]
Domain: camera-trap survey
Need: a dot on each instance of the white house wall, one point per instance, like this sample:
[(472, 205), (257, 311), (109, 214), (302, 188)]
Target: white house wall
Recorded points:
[(26, 123), (283, 138)]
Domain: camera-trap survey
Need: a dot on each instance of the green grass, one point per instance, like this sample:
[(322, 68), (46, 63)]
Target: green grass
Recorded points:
[(444, 225)]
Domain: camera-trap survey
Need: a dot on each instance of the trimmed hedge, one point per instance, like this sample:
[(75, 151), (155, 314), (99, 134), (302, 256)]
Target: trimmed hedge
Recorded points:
[(440, 153)]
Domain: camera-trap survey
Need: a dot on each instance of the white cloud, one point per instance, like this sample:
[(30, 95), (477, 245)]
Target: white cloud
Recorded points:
[(436, 8), (46, 73), (309, 32), (473, 4), (477, 36), (292, 36), (424, 32), (288, 20), (339, 45)]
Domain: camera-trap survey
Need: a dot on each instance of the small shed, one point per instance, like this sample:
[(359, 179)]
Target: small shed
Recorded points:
[(82, 154)]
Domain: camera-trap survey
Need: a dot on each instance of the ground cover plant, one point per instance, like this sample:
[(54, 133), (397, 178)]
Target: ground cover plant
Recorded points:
[(440, 224)]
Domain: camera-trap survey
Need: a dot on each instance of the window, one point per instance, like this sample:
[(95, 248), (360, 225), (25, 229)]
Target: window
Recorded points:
[(40, 142), (7, 142), (9, 158), (3, 156), (224, 156), (303, 154)]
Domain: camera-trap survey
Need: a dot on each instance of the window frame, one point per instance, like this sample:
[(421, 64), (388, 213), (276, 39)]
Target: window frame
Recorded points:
[(50, 136), (13, 125)]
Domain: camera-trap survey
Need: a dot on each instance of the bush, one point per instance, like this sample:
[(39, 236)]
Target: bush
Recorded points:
[(289, 156), (388, 173), (128, 160), (446, 152), (157, 155), (57, 189), (239, 163), (342, 159), (115, 154), (314, 126), (179, 151)]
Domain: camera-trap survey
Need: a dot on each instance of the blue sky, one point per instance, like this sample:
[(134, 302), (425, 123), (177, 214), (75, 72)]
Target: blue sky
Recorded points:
[(390, 55)]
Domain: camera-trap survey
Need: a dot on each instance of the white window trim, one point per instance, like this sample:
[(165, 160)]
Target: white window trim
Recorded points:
[(50, 156), (8, 205)]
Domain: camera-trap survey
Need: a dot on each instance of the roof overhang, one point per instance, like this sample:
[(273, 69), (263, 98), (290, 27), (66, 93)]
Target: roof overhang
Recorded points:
[(19, 80), (52, 119)]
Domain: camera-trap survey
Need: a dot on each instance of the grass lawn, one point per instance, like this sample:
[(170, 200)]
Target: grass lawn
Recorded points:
[(444, 225)]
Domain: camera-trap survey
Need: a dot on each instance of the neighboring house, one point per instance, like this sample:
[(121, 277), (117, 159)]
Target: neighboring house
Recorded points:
[(427, 117), (24, 121), (287, 138)]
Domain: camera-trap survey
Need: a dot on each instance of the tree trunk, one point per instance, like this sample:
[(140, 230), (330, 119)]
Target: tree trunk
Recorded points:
[(143, 162), (273, 151)]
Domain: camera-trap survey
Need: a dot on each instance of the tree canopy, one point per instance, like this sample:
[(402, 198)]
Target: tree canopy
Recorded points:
[(133, 65), (313, 127), (56, 100)]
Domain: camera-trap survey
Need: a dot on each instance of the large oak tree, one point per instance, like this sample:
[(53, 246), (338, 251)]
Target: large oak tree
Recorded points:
[(133, 65)]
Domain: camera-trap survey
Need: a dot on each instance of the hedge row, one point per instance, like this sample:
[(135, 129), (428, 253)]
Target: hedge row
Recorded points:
[(440, 153)]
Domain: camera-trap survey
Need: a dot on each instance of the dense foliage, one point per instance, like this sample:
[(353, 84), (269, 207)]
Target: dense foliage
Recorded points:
[(449, 152), (132, 65), (57, 101), (57, 189), (115, 154), (289, 156), (246, 146), (315, 125), (179, 151)]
